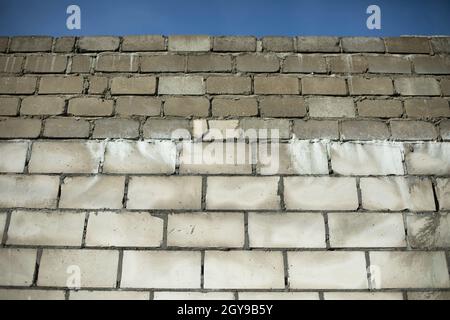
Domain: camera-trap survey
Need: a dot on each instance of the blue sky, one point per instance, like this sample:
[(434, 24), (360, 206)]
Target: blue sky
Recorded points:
[(225, 17)]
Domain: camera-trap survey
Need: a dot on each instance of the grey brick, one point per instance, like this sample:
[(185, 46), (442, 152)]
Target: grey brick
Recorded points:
[(364, 130), (331, 107), (4, 44), (11, 64), (234, 44), (81, 64), (317, 44), (407, 45), (257, 63), (189, 43), (431, 65), (48, 63), (324, 86), (19, 128), (282, 125), (138, 106), (305, 63), (9, 106), (31, 44), (417, 86), (234, 107), (117, 62), (186, 106), (102, 43), (389, 64), (64, 44), (89, 106), (316, 129), (380, 108), (61, 84), (362, 44), (42, 105), (289, 107), (440, 44), (98, 85), (413, 130), (346, 63), (116, 128), (228, 85), (143, 43), (278, 44), (66, 128), (163, 63), (17, 85), (209, 63), (276, 85), (370, 86), (427, 108), (444, 127), (164, 128), (134, 85), (445, 87)]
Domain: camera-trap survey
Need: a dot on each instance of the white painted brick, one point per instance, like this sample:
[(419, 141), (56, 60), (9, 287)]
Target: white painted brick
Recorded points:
[(443, 193), (161, 269), (124, 229), (164, 193), (29, 294), (366, 159), (363, 296), (410, 269), (13, 156), (193, 85), (397, 193), (108, 295), (320, 193), (244, 270), (177, 295), (286, 230), (28, 191), (428, 230), (366, 230), (189, 43), (140, 157), (278, 296), (98, 268), (97, 192), (46, 228), (428, 159), (17, 267), (327, 270), (242, 193), (66, 157)]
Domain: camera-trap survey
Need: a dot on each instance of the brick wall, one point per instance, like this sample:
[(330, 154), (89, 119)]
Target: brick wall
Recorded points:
[(98, 182)]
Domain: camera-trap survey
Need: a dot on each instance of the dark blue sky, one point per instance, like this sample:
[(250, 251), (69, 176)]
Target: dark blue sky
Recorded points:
[(225, 17)]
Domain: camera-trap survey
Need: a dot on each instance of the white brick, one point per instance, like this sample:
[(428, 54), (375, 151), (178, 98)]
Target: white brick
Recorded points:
[(278, 296), (177, 295), (443, 193), (97, 192), (189, 43), (13, 156), (320, 193), (28, 191), (286, 230), (164, 193), (327, 270), (108, 295), (161, 269), (242, 193), (98, 268), (428, 159), (17, 267), (214, 229), (366, 159), (397, 193), (28, 294), (46, 228), (428, 230), (363, 296), (244, 270), (366, 230), (65, 157), (124, 229), (140, 157), (193, 85), (326, 107), (410, 269)]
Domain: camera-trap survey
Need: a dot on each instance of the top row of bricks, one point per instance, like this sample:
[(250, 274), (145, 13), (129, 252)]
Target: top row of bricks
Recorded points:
[(200, 43)]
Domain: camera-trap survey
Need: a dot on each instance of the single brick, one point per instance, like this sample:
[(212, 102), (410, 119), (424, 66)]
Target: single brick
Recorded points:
[(257, 63), (116, 128), (293, 295), (98, 267), (362, 44), (143, 43), (9, 106), (286, 230), (445, 86), (65, 157), (163, 63), (410, 269), (431, 65), (278, 44), (305, 63), (440, 44), (363, 296), (428, 230), (242, 193), (444, 127), (427, 108), (117, 62), (108, 295), (94, 192), (364, 130), (31, 44), (317, 44), (325, 86), (61, 84), (213, 130), (234, 106), (98, 85), (209, 63), (17, 267), (327, 270), (283, 107), (4, 44), (366, 230), (192, 295), (380, 108), (417, 87), (407, 45), (13, 157), (429, 295), (34, 191), (164, 193), (397, 193), (234, 44), (214, 229), (19, 128), (388, 64), (11, 64), (138, 106), (161, 269), (46, 228), (124, 229), (48, 63), (243, 270), (64, 44), (228, 85), (428, 158), (307, 193), (90, 106), (345, 63), (331, 107), (140, 157), (66, 128), (276, 85), (186, 106), (37, 105), (81, 64), (17, 85), (134, 85), (273, 128), (413, 130), (193, 85), (31, 294), (370, 86), (316, 129), (167, 129), (189, 43), (86, 44), (443, 193)]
